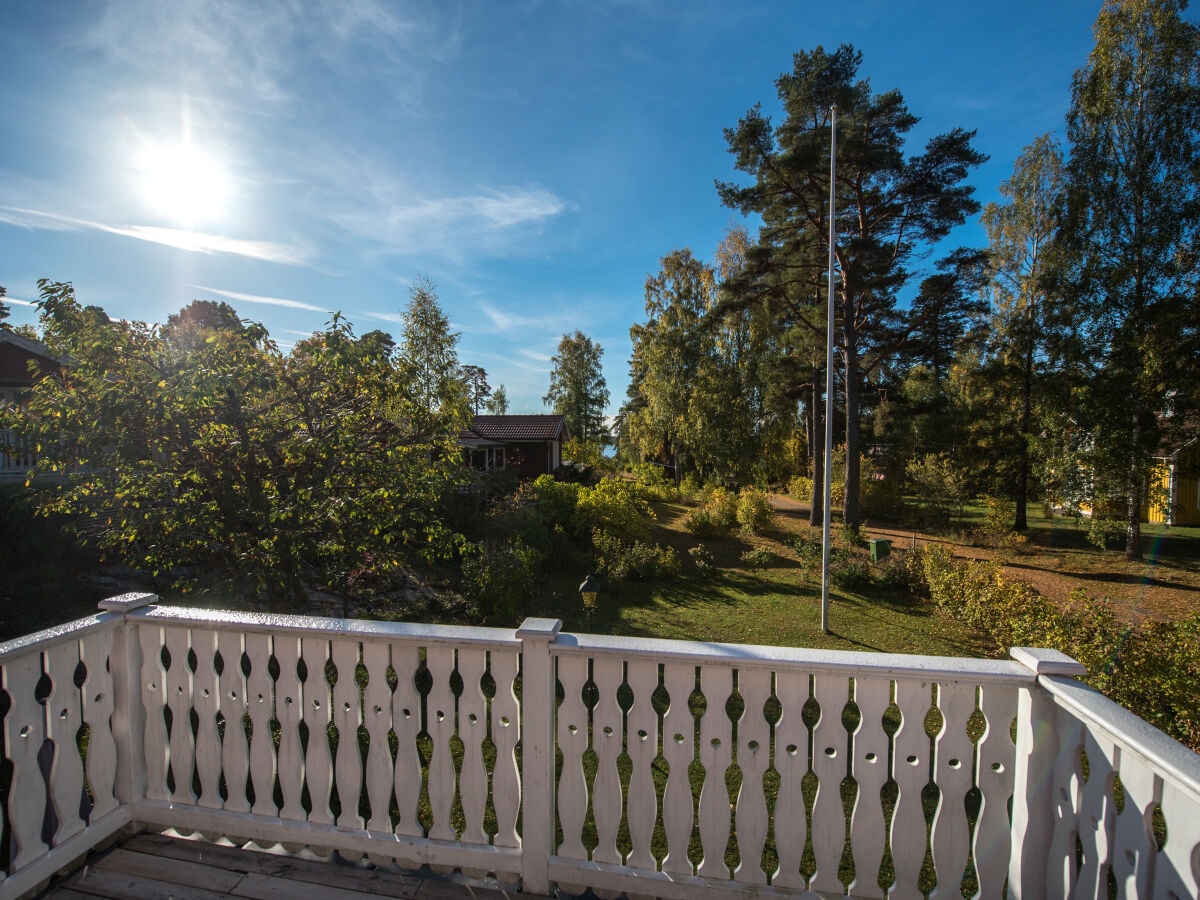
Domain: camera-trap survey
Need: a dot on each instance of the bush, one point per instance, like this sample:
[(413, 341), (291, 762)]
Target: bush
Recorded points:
[(615, 507), (620, 560), (758, 558), (500, 577), (702, 559), (800, 487), (556, 501), (754, 512), (1153, 669), (850, 572), (940, 486), (718, 514)]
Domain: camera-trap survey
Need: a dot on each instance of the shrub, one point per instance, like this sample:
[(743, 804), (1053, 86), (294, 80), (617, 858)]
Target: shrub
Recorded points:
[(850, 572), (620, 560), (901, 572), (758, 558), (718, 514), (1152, 669), (754, 512), (500, 577), (556, 501), (800, 487), (939, 484), (615, 507), (808, 551), (723, 504), (702, 559)]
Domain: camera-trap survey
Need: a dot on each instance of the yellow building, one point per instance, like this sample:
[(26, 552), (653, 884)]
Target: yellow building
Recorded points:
[(1174, 495)]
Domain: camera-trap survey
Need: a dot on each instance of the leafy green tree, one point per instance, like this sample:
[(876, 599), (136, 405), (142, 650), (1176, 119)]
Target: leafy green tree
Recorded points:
[(497, 403), (429, 356), (577, 387), (5, 312), (1126, 254), (223, 459), (1011, 383), (478, 389), (891, 207)]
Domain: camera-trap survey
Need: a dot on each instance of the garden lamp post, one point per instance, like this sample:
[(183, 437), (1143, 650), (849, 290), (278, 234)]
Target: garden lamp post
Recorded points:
[(588, 591)]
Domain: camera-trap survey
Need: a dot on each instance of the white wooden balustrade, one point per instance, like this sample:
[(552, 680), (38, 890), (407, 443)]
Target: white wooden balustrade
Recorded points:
[(647, 767)]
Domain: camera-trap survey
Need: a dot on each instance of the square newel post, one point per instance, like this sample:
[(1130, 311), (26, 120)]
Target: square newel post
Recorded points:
[(1043, 845), (129, 714), (537, 752)]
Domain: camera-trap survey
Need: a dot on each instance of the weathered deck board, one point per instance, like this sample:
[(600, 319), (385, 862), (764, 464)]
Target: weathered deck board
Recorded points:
[(157, 867)]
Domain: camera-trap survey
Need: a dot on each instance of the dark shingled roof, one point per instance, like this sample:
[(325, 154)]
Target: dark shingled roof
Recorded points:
[(517, 428)]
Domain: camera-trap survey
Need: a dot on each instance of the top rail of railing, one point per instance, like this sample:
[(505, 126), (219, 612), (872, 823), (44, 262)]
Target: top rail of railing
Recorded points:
[(885, 665)]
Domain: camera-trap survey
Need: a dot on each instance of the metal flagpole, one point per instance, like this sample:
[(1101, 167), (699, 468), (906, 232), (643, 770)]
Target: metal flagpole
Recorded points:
[(829, 377)]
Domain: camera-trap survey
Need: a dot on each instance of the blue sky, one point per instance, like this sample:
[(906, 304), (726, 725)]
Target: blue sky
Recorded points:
[(534, 159)]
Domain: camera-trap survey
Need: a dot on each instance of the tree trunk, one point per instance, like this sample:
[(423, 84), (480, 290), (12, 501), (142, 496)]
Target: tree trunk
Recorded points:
[(850, 510), (1133, 520), (1021, 522)]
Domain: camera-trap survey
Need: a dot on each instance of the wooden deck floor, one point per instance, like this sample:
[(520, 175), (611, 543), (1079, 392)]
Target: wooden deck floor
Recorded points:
[(157, 867)]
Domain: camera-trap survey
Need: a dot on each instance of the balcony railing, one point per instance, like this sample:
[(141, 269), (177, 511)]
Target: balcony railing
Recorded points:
[(652, 767)]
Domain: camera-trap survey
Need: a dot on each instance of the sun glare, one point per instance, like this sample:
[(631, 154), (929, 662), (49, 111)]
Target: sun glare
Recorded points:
[(183, 183)]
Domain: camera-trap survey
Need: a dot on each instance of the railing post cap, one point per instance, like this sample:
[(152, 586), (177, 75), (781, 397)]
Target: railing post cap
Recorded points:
[(540, 628), (1045, 661), (124, 603)]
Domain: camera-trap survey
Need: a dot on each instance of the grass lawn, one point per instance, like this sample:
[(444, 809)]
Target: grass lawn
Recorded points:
[(778, 605)]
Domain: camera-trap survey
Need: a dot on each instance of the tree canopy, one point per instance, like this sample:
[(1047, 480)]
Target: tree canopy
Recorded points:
[(891, 206)]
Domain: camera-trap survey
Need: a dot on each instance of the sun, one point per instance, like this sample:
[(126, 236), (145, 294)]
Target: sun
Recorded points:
[(183, 183)]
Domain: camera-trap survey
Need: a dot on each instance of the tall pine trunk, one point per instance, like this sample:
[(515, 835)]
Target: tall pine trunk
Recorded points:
[(850, 508)]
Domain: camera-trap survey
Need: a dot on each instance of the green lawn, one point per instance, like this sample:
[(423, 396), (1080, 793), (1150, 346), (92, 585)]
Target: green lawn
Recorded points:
[(779, 605)]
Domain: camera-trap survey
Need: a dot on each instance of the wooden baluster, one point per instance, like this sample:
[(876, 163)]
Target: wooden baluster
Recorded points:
[(64, 717), (289, 709), (1097, 813), (754, 757), (572, 736), (377, 710), (506, 732), (235, 746), (910, 769), (154, 696), (870, 770), (24, 732), (716, 755), (406, 720), (182, 743), (1134, 847), (679, 749), (440, 725), (607, 736), (829, 765), (642, 746), (791, 761), (1064, 790), (97, 693), (347, 716), (472, 729), (954, 775), (317, 714), (994, 776), (1178, 872), (260, 696), (206, 700)]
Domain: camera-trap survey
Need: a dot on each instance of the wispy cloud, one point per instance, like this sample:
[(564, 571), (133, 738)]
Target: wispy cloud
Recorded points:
[(504, 322), (194, 241), (384, 214), (256, 298)]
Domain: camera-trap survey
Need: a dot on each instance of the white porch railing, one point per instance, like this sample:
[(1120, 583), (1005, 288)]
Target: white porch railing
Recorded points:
[(17, 454), (655, 768)]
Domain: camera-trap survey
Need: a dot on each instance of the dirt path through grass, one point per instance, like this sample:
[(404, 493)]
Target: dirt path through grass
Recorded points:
[(1165, 584)]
